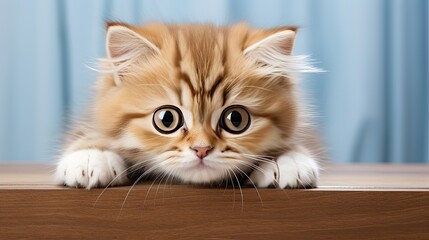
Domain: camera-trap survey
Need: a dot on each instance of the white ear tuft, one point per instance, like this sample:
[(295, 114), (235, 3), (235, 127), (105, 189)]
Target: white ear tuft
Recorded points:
[(273, 55), (124, 47)]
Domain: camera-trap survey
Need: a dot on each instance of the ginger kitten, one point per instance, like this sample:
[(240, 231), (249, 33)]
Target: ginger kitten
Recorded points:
[(197, 103)]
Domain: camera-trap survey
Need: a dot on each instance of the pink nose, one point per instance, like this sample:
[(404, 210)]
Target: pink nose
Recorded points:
[(202, 152)]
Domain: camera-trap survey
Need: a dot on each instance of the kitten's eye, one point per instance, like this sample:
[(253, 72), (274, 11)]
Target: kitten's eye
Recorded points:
[(235, 119), (167, 119)]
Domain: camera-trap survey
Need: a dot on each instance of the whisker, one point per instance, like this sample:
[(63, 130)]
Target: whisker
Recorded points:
[(257, 191), (241, 191), (165, 184), (226, 183), (268, 162), (255, 167), (134, 165), (159, 184), (138, 179), (256, 160), (147, 193), (162, 177), (233, 187), (250, 165), (257, 155), (259, 159), (265, 157)]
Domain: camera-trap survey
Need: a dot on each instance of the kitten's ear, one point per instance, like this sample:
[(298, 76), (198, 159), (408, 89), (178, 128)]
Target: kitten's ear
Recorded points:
[(271, 51), (278, 40), (124, 46)]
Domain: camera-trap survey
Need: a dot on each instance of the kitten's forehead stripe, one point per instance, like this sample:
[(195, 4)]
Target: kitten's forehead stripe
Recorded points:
[(215, 85), (224, 96), (178, 54), (225, 49), (177, 60), (202, 41), (202, 64), (185, 77)]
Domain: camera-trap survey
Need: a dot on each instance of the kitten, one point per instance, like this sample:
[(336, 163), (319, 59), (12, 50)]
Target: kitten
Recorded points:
[(197, 103)]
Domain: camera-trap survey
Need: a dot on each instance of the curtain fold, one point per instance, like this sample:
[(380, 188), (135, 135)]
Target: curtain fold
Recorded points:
[(372, 102)]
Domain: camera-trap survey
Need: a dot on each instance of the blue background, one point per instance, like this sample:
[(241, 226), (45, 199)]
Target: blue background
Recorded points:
[(372, 102)]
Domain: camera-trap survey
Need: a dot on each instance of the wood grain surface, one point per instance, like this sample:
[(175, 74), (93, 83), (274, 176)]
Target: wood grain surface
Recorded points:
[(352, 202)]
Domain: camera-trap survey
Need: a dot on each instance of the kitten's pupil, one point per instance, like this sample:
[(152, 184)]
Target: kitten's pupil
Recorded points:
[(167, 118), (235, 118)]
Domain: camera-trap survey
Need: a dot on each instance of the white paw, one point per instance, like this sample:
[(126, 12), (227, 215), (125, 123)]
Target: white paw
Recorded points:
[(293, 170), (91, 168)]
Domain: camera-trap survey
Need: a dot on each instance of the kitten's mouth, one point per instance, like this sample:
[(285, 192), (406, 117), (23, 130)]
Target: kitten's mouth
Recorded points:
[(201, 171), (201, 164)]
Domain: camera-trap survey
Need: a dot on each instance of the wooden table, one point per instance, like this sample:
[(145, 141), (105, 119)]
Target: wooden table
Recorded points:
[(352, 202)]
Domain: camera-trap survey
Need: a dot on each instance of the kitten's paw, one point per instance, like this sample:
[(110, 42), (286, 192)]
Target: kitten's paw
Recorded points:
[(91, 168), (293, 170)]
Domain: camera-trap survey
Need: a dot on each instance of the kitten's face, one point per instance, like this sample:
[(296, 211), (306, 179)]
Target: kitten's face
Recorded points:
[(196, 102)]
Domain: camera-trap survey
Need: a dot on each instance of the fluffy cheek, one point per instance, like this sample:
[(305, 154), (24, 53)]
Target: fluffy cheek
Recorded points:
[(260, 137), (141, 142)]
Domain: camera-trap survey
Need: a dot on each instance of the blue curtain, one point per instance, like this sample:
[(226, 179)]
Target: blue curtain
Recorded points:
[(372, 101)]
